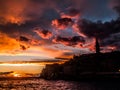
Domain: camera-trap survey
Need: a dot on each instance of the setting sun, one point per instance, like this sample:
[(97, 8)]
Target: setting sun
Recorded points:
[(16, 75)]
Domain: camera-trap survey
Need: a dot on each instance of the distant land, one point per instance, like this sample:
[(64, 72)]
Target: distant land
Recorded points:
[(57, 60)]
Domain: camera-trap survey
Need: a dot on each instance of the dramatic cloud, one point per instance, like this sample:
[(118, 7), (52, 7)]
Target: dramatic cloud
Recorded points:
[(23, 38), (107, 32), (116, 5), (112, 42), (71, 13), (13, 11), (20, 11), (90, 44), (76, 40), (98, 29), (72, 23), (8, 44), (62, 23), (45, 34)]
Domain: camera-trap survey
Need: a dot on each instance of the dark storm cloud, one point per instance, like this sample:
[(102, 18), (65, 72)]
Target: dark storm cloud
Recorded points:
[(113, 41), (116, 5), (99, 29), (23, 38), (71, 13), (15, 30), (108, 32), (72, 41), (62, 23)]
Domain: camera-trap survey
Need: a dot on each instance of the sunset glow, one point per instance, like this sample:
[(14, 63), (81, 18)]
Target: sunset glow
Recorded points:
[(36, 30), (16, 75), (21, 69)]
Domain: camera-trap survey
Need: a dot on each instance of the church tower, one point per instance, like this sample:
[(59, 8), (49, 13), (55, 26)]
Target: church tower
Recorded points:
[(97, 46)]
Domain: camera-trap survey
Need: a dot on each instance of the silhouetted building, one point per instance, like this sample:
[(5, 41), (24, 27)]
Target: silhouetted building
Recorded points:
[(97, 46)]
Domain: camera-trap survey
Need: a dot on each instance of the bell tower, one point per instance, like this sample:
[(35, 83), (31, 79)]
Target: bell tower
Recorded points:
[(97, 46)]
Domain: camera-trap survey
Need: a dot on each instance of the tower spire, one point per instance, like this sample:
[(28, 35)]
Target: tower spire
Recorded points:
[(97, 46)]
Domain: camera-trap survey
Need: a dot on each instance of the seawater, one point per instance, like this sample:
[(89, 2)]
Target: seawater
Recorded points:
[(41, 84)]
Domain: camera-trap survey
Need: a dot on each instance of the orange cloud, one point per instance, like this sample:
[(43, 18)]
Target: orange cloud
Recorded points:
[(90, 44), (76, 29), (13, 11), (41, 52), (7, 43), (20, 11), (45, 34)]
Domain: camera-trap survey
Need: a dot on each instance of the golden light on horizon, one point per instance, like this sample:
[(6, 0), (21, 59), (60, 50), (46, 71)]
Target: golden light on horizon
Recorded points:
[(20, 69), (16, 75)]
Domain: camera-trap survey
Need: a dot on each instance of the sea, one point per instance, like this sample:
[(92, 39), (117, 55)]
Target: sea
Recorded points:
[(41, 84)]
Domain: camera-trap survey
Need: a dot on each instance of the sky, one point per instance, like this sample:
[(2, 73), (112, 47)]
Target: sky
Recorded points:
[(34, 68), (46, 29)]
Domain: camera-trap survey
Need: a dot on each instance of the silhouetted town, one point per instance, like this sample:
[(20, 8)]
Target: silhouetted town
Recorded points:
[(86, 66)]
